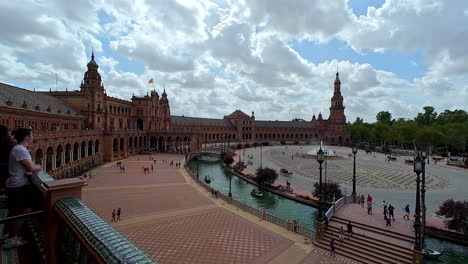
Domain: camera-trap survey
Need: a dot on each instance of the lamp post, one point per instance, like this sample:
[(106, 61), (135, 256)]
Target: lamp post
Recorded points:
[(198, 165), (418, 168), (320, 158), (230, 180), (423, 196), (354, 174), (261, 156)]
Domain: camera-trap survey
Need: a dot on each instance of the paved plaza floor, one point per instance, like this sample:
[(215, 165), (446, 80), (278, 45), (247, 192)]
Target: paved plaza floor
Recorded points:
[(392, 181), (175, 220)]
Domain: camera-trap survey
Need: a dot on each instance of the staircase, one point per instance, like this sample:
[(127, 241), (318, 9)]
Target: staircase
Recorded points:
[(368, 244)]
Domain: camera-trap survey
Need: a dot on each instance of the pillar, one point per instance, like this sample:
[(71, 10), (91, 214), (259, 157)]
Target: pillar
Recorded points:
[(54, 161), (79, 153), (63, 158), (86, 151), (93, 148), (71, 156)]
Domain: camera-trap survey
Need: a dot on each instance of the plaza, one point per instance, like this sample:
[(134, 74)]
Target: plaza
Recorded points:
[(174, 220), (392, 181)]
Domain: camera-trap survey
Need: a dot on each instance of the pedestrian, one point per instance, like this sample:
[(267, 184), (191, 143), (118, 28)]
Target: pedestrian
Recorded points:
[(369, 208), (216, 193), (152, 168), (341, 234), (391, 212), (362, 200), (19, 188), (384, 210), (118, 213), (350, 229), (388, 221), (113, 216), (407, 212), (90, 175), (332, 248), (295, 225)]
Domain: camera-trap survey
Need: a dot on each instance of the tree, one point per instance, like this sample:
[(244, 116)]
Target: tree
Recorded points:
[(384, 117), (426, 118), (228, 159), (239, 166), (329, 188), (266, 176), (359, 121), (456, 213)]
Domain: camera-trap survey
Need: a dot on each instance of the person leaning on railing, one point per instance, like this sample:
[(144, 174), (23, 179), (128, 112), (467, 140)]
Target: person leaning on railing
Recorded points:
[(6, 144), (18, 186)]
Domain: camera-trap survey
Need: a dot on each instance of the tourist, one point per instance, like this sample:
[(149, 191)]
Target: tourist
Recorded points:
[(391, 212), (407, 212), (118, 213), (19, 188), (350, 229), (369, 207), (152, 168), (388, 221), (362, 200), (341, 234), (113, 216), (6, 144), (295, 225), (332, 248), (90, 175), (384, 210)]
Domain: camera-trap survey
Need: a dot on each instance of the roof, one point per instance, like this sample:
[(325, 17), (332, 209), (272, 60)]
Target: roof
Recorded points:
[(197, 121), (35, 101), (238, 113), (285, 124)]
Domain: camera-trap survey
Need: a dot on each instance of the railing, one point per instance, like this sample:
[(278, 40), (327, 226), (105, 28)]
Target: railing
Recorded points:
[(310, 233), (337, 205), (65, 230)]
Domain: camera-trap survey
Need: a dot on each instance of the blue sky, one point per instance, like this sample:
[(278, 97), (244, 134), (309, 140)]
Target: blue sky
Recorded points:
[(212, 58)]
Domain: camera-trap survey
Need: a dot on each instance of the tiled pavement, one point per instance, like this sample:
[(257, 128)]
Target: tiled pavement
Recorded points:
[(321, 257), (176, 221)]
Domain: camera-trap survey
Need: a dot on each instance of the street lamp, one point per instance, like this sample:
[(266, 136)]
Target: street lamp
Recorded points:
[(423, 196), (354, 174), (230, 180), (320, 158), (418, 168)]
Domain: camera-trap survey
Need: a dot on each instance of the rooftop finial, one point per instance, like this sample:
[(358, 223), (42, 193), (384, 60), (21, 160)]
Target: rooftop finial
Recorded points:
[(92, 54)]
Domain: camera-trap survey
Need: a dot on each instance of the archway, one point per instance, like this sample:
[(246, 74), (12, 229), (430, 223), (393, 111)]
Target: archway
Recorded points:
[(83, 149), (153, 142), (140, 141), (76, 146), (38, 156), (90, 148), (58, 159), (67, 153), (145, 144), (140, 124), (161, 143), (130, 142), (122, 142), (96, 146), (50, 154), (340, 140), (115, 146)]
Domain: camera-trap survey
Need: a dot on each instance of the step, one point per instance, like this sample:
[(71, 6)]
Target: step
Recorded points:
[(372, 240), (374, 229), (391, 257), (356, 256)]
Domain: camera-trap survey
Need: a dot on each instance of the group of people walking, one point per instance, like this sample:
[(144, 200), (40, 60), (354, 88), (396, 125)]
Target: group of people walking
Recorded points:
[(116, 214)]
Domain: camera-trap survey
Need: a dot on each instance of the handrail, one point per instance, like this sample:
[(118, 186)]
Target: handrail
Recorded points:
[(110, 245), (18, 217), (336, 205)]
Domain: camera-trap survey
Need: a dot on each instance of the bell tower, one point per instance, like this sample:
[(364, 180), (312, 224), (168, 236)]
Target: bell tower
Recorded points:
[(337, 108), (92, 86)]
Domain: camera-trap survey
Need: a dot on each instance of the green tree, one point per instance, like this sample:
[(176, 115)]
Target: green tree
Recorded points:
[(228, 160), (240, 166), (456, 213), (384, 117), (359, 121), (266, 176), (426, 118), (329, 189)]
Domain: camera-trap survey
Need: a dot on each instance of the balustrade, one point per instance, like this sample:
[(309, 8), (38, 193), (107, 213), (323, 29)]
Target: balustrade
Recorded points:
[(65, 230)]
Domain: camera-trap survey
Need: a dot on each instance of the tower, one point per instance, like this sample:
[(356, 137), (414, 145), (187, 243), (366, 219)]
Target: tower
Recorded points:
[(337, 109), (92, 86)]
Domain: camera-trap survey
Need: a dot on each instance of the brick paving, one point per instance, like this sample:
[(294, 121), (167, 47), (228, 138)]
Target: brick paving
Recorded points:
[(175, 222)]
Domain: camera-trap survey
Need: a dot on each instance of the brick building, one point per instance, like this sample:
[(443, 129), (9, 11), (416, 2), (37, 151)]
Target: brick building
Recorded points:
[(75, 130)]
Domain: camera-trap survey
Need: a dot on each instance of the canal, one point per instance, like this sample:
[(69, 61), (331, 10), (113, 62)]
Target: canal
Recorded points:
[(292, 210)]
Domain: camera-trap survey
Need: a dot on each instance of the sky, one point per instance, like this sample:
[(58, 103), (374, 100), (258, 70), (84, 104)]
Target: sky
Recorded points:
[(277, 58)]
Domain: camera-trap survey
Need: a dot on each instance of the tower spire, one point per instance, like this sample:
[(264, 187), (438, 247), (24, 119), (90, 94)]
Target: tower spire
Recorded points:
[(92, 54)]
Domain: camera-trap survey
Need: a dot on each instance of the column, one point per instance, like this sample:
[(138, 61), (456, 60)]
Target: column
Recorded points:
[(79, 153), (43, 163), (63, 158), (54, 160), (86, 151), (93, 148), (71, 155)]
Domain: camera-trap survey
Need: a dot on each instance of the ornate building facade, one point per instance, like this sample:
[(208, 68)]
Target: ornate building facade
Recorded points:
[(76, 130)]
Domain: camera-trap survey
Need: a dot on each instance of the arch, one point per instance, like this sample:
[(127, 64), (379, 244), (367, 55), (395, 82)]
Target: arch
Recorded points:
[(144, 142), (140, 141), (96, 146), (38, 156), (50, 154), (140, 124), (135, 142), (76, 146), (83, 149), (161, 143), (130, 142), (340, 140), (153, 142), (90, 148), (58, 159), (68, 149), (122, 142), (115, 145)]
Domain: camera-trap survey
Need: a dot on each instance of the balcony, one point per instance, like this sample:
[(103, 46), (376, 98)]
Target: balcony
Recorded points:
[(62, 229)]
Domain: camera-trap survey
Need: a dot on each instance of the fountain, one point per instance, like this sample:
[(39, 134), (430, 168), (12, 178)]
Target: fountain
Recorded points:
[(330, 154)]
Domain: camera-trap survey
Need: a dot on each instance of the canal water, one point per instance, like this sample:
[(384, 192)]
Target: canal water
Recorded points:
[(292, 210), (270, 202)]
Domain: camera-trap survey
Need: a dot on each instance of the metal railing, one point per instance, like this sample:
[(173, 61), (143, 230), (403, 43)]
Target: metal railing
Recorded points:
[(337, 205), (287, 224)]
